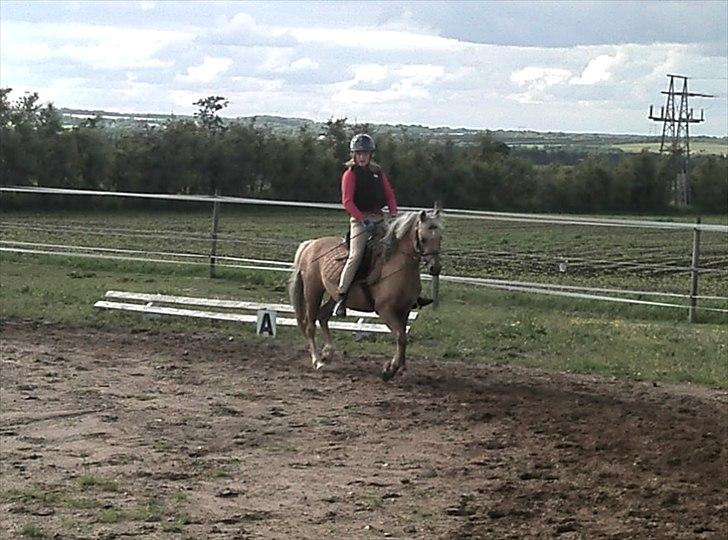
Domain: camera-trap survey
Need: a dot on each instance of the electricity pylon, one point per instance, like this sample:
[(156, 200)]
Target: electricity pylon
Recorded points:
[(676, 120)]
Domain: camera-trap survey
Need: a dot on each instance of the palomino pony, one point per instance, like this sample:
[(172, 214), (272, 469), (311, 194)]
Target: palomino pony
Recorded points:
[(408, 239)]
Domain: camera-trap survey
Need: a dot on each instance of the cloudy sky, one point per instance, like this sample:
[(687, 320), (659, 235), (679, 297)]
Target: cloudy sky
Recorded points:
[(575, 66)]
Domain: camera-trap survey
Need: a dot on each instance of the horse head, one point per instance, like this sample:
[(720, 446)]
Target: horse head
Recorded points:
[(428, 237)]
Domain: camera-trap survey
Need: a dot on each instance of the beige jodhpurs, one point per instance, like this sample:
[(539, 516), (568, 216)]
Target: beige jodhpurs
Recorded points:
[(357, 246)]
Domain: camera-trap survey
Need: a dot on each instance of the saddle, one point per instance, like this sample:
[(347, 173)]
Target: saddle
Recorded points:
[(370, 268)]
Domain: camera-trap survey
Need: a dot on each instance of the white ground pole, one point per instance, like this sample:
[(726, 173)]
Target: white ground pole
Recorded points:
[(156, 304)]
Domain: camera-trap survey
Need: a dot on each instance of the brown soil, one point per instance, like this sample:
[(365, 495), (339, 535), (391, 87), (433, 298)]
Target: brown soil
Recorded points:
[(115, 435)]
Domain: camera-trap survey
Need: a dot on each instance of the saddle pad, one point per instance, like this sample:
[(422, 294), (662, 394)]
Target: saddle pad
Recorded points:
[(332, 263)]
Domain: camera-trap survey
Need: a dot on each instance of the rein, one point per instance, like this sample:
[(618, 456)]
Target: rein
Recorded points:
[(420, 251)]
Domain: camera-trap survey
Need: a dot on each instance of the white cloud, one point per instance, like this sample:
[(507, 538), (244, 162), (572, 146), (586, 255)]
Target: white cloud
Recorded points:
[(96, 46), (598, 70), (421, 73), (540, 77), (209, 70), (184, 99), (407, 21), (394, 65), (370, 73), (537, 80), (280, 60), (256, 84), (243, 30), (374, 39), (133, 89), (396, 84), (303, 64)]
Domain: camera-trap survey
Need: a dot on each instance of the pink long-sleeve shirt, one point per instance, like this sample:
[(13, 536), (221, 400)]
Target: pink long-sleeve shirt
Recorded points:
[(348, 188)]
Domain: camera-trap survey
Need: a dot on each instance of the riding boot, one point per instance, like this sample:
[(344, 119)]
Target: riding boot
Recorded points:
[(422, 302), (340, 307)]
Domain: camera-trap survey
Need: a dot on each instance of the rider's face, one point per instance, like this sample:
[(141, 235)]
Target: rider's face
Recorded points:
[(362, 158)]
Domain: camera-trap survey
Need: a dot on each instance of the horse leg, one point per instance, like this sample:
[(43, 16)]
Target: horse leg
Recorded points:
[(396, 321), (325, 311), (312, 300)]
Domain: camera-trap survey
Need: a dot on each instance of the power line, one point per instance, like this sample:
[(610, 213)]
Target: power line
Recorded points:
[(676, 120)]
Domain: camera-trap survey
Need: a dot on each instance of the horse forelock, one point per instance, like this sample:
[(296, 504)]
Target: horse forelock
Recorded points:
[(401, 226)]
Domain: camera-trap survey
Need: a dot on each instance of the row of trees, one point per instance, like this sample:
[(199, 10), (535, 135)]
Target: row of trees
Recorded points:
[(207, 155)]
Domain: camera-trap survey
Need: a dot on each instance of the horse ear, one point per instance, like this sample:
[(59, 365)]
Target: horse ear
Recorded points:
[(423, 215), (437, 209)]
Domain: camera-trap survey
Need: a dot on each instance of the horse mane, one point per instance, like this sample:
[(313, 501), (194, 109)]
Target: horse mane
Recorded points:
[(399, 227)]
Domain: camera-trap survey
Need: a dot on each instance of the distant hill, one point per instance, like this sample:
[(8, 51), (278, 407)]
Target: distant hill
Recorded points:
[(525, 139)]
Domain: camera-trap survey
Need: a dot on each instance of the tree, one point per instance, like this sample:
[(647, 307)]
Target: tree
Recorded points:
[(592, 185), (5, 108), (337, 138), (207, 113), (212, 129), (710, 182)]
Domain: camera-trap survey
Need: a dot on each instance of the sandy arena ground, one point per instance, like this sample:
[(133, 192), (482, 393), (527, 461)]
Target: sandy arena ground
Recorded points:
[(145, 435)]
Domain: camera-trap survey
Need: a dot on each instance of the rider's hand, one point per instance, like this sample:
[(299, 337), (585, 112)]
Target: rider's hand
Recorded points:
[(369, 225)]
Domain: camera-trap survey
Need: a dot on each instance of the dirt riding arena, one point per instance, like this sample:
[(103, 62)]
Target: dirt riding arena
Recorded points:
[(145, 435)]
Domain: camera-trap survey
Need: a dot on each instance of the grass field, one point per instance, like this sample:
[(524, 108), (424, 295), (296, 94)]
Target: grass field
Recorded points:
[(473, 323), (696, 147), (623, 258)]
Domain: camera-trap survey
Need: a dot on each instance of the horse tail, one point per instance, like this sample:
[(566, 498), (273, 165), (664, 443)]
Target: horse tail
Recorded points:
[(295, 287)]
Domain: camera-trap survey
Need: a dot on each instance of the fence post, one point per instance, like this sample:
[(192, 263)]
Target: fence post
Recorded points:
[(213, 248), (692, 310), (435, 291)]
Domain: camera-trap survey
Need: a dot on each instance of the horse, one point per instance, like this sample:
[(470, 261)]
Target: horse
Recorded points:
[(408, 239)]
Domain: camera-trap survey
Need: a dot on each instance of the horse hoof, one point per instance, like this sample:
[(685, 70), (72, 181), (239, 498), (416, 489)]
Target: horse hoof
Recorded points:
[(318, 364), (387, 375)]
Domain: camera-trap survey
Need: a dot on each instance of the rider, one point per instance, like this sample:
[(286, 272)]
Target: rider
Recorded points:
[(365, 189)]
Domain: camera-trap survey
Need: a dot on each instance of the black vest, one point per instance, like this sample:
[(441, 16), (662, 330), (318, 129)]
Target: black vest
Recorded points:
[(369, 192)]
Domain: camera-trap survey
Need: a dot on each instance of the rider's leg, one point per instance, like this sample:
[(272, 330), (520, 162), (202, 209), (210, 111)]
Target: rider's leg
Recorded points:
[(357, 245)]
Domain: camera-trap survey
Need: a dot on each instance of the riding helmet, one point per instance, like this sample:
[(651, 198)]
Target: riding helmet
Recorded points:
[(361, 142)]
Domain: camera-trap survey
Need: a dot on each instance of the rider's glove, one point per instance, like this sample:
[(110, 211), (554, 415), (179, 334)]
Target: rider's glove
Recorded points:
[(369, 226)]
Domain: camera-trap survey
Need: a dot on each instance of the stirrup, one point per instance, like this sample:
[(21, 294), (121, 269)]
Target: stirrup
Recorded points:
[(340, 307)]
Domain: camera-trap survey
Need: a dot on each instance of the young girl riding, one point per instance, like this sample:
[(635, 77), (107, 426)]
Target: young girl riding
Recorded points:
[(365, 189)]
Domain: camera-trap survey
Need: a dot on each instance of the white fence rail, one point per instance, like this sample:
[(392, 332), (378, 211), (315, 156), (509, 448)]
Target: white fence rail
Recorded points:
[(214, 260), (451, 212)]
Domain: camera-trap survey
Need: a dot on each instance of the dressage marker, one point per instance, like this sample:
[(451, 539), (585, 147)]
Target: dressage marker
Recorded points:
[(245, 312)]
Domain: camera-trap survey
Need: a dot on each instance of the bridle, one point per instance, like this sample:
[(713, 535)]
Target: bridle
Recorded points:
[(428, 256)]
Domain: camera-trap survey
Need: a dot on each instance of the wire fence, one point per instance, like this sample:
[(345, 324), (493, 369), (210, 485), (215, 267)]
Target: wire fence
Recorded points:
[(568, 256)]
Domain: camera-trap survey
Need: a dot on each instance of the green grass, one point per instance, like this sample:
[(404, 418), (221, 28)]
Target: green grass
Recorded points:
[(31, 530), (31, 495), (372, 501), (151, 511), (421, 515), (88, 481), (472, 323), (490, 249), (163, 445), (219, 473), (696, 147)]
